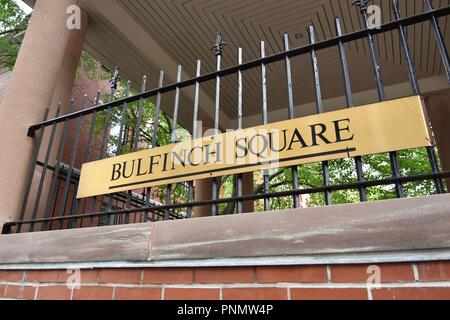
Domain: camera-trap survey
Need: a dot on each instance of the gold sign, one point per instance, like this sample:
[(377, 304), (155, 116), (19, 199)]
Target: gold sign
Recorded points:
[(382, 127)]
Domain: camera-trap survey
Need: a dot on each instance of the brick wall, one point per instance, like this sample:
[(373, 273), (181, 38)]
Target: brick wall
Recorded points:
[(427, 280)]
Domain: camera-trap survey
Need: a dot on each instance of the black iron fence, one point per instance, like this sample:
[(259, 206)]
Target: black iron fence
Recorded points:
[(60, 209)]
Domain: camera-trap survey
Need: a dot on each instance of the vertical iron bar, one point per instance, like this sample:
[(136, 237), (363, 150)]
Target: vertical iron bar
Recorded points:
[(148, 194), (93, 122), (173, 138), (406, 51), (55, 201), (218, 51), (75, 205), (153, 142), (319, 105), (194, 132), (416, 91), (54, 186), (104, 148), (349, 98), (44, 169), (37, 148), (103, 153), (87, 151), (294, 169), (71, 165), (120, 137), (120, 141), (158, 110), (265, 121), (382, 97), (137, 134), (439, 39), (240, 208)]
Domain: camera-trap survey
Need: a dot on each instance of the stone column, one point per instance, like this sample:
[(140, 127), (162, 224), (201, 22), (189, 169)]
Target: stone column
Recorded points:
[(203, 191), (69, 65), (438, 107), (248, 189), (65, 89), (30, 91)]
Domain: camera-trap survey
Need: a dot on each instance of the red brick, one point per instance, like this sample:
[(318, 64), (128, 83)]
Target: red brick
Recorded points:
[(307, 274), (54, 293), (329, 294), (349, 273), (224, 275), (87, 276), (169, 276), (393, 272), (434, 271), (2, 290), (93, 293), (20, 292), (411, 294), (137, 294), (43, 276), (191, 294), (132, 276), (254, 294), (11, 276), (397, 272)]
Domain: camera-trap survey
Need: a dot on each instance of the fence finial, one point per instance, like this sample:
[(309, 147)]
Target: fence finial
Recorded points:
[(115, 79), (220, 44), (362, 4)]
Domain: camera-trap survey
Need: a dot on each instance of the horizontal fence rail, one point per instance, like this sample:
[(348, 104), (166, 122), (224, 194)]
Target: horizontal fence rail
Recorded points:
[(101, 130)]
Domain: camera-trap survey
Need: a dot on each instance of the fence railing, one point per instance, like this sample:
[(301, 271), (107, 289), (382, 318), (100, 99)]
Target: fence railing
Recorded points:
[(62, 210)]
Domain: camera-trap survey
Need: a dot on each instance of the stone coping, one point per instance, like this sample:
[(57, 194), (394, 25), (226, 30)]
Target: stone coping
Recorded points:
[(382, 231)]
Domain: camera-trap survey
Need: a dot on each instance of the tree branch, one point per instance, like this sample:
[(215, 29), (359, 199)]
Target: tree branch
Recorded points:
[(12, 31)]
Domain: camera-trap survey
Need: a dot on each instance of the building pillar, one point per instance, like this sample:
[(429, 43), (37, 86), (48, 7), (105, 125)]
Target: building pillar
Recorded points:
[(203, 191), (438, 107), (31, 89), (248, 189), (69, 66), (63, 92)]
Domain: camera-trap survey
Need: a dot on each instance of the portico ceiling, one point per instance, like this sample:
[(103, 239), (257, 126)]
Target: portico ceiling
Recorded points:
[(145, 36)]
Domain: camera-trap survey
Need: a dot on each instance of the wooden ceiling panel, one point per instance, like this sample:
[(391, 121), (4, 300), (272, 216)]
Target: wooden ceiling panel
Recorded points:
[(186, 30)]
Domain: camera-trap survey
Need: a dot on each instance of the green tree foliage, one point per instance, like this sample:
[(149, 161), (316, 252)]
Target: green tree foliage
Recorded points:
[(145, 135), (13, 23)]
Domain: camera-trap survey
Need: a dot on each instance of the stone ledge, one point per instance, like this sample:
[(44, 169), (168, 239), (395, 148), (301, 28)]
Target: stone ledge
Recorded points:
[(416, 228)]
